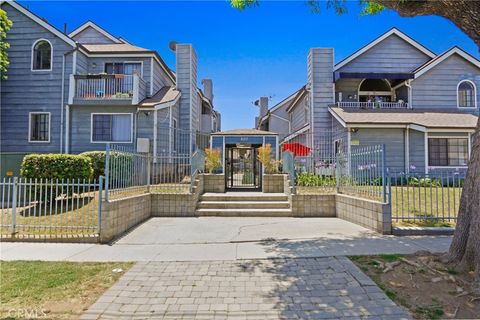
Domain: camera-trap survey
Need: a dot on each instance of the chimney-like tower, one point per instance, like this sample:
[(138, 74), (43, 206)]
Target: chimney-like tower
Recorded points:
[(208, 89), (189, 118), (263, 105), (320, 83)]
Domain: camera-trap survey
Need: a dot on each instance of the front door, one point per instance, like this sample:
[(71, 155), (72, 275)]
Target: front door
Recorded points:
[(242, 168)]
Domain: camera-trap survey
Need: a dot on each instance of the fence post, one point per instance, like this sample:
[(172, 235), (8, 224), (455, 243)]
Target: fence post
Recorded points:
[(384, 174), (100, 195), (107, 170), (14, 204), (149, 171)]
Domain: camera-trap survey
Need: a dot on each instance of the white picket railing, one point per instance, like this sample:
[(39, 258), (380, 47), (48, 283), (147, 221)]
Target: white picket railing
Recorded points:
[(109, 87), (372, 105)]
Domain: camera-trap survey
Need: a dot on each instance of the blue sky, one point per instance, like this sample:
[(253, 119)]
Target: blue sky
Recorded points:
[(260, 51)]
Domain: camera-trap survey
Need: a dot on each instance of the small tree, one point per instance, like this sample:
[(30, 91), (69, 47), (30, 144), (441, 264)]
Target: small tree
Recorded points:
[(212, 159), (265, 157), (5, 25)]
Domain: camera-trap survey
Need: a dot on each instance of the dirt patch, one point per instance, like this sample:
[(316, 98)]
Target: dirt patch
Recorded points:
[(423, 285)]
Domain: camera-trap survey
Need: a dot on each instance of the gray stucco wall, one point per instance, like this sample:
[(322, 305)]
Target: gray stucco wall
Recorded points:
[(90, 35), (437, 88), (391, 55), (25, 90)]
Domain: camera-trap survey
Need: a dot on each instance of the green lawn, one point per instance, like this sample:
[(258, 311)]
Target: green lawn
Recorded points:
[(54, 290)]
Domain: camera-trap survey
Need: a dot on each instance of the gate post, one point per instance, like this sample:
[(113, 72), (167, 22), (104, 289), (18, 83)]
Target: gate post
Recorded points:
[(107, 170), (100, 199), (384, 174), (14, 204)]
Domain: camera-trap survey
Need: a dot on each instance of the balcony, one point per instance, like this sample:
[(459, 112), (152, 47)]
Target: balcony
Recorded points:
[(372, 105), (120, 89)]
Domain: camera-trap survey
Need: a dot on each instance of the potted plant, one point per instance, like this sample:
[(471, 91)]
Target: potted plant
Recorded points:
[(273, 181), (213, 182)]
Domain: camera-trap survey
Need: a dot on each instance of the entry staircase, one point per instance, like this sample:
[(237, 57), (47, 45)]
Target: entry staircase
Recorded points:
[(244, 204)]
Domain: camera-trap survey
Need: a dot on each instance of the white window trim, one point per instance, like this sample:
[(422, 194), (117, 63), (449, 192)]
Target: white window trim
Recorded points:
[(33, 56), (111, 113), (427, 137), (30, 126), (474, 95)]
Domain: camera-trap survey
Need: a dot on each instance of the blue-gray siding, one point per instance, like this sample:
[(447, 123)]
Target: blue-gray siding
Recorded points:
[(25, 91), (92, 36), (391, 55), (437, 88)]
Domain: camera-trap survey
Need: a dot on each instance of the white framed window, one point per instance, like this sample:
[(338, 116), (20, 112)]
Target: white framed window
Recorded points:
[(466, 94), (111, 127), (39, 127), (42, 55), (448, 152)]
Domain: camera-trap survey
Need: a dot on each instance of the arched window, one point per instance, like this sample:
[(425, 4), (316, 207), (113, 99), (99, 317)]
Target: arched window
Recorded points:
[(42, 55), (374, 90), (466, 94)]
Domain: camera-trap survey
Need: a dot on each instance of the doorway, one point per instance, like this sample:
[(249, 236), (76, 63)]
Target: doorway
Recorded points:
[(242, 168)]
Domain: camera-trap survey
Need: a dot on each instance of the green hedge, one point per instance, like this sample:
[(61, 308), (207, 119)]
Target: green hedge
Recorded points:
[(98, 162), (56, 166)]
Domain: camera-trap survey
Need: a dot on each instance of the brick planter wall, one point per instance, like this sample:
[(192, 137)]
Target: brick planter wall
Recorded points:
[(274, 183), (213, 183), (120, 215), (313, 205), (370, 214)]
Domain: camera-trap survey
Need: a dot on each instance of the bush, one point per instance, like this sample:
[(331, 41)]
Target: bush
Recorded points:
[(98, 162), (213, 159), (56, 166), (265, 157), (311, 180)]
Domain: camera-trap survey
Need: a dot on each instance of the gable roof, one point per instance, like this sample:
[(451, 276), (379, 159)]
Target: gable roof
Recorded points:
[(90, 24), (164, 95), (393, 31), (441, 57), (40, 21), (300, 94), (114, 48)]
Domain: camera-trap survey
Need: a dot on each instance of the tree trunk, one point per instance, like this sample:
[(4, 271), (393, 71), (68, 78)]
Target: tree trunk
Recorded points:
[(465, 248)]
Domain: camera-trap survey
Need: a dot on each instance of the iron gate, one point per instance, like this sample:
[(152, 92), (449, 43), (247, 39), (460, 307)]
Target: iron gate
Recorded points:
[(242, 168)]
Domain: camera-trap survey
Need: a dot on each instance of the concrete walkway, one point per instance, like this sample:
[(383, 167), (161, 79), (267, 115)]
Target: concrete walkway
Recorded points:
[(228, 239), (302, 288)]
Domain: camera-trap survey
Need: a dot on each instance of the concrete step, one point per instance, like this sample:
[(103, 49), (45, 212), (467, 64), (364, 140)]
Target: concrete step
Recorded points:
[(244, 197), (244, 212), (243, 205)]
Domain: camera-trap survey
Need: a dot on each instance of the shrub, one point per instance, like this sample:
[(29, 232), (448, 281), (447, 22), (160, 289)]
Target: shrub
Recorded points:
[(265, 157), (98, 162), (56, 166), (311, 180), (212, 159)]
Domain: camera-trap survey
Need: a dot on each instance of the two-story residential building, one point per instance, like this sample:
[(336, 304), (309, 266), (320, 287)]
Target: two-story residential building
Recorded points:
[(393, 91), (75, 92)]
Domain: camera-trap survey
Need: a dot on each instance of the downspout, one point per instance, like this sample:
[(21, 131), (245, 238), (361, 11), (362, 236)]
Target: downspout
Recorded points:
[(407, 149), (409, 86), (62, 122), (155, 133)]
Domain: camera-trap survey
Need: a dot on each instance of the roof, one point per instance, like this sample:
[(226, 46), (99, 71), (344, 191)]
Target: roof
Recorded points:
[(246, 132), (40, 21), (441, 57), (393, 31), (164, 95), (114, 48), (426, 117), (90, 24), (300, 94)]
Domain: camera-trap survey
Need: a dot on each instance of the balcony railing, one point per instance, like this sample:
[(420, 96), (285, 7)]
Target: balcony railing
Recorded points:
[(372, 105), (107, 87)]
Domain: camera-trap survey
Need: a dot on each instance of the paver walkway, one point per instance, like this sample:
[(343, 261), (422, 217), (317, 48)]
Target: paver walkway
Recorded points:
[(299, 288)]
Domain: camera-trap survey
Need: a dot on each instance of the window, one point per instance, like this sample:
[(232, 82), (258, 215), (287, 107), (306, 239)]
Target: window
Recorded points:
[(42, 55), (112, 127), (39, 127), (123, 68), (466, 94), (445, 152)]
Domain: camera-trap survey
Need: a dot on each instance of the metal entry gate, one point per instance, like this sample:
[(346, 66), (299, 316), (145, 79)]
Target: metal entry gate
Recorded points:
[(242, 168)]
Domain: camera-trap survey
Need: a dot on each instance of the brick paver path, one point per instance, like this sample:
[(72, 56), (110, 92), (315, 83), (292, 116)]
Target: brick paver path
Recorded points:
[(296, 288)]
